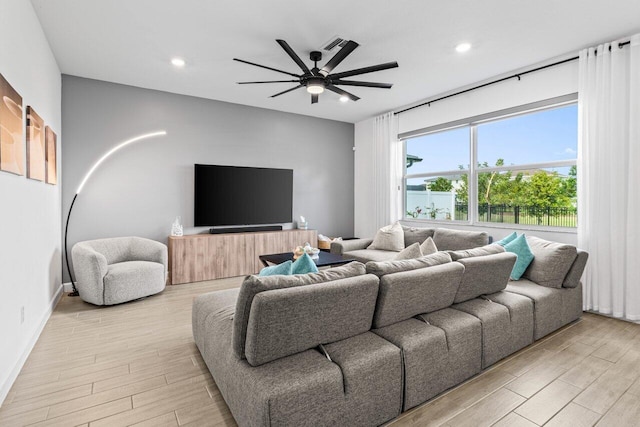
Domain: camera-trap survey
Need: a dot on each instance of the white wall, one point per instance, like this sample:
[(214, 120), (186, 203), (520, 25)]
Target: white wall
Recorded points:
[(30, 236), (545, 84)]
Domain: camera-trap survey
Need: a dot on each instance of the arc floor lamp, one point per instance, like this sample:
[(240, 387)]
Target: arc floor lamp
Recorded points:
[(84, 181)]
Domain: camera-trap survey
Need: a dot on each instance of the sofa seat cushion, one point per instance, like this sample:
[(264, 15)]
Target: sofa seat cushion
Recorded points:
[(305, 389), (551, 262), (253, 285), (129, 280), (507, 323), (439, 350), (484, 275), (547, 305), (409, 293), (453, 240), (366, 255)]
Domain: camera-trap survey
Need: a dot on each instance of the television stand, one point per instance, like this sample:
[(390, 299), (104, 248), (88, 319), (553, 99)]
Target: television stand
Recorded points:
[(198, 257), (250, 229)]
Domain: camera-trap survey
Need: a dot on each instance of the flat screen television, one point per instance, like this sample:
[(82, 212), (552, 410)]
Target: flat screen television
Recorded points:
[(233, 195)]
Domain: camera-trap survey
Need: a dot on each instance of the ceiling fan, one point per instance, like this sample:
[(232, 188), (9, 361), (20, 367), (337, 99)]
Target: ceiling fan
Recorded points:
[(316, 80)]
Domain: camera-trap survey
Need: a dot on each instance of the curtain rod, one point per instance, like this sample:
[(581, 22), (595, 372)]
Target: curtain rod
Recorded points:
[(517, 75)]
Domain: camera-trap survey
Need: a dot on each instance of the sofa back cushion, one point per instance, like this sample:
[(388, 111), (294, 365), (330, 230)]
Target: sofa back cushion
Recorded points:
[(253, 285), (290, 320), (409, 293), (453, 240), (493, 248), (484, 275), (416, 234), (551, 263), (575, 273), (395, 266)]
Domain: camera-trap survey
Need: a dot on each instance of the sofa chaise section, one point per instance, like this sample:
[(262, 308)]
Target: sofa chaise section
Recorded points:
[(308, 357)]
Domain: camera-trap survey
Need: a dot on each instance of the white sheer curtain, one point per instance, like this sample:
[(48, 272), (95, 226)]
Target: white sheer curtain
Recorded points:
[(387, 170), (609, 177)]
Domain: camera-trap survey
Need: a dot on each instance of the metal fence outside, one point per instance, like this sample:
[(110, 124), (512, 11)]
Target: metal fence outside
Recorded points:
[(526, 215)]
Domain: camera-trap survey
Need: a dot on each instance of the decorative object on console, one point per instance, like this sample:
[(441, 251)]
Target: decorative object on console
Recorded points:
[(324, 242), (50, 138), (302, 223), (316, 80), (176, 227), (11, 148), (35, 146), (84, 181)]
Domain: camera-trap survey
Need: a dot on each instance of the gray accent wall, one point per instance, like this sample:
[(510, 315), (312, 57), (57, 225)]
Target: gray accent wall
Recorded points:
[(139, 190)]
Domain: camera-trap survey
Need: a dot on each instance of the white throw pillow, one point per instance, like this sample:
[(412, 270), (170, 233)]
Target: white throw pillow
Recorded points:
[(428, 247), (389, 238), (410, 252)]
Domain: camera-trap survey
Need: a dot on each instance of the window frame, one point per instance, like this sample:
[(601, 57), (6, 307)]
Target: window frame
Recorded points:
[(473, 170)]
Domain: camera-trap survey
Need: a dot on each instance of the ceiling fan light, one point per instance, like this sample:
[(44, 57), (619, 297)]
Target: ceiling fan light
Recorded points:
[(315, 88)]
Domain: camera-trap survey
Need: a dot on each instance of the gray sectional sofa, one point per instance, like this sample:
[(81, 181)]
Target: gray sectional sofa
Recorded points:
[(357, 345)]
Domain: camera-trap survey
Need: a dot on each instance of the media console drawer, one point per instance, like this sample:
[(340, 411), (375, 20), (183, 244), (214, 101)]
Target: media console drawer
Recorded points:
[(199, 257)]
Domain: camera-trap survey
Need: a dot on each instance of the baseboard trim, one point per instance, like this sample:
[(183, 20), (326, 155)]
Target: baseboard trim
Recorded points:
[(6, 387)]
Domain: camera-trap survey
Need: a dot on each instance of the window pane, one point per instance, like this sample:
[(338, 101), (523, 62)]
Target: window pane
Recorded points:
[(545, 197), (437, 197), (436, 152), (543, 136)]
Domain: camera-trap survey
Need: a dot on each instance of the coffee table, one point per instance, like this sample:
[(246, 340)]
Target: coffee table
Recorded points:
[(324, 259)]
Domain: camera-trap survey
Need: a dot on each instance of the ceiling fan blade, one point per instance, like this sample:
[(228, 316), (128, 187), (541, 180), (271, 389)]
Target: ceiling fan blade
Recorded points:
[(314, 98), (342, 92), (339, 57), (364, 70), (285, 91), (365, 84), (264, 66), (294, 56), (270, 81)]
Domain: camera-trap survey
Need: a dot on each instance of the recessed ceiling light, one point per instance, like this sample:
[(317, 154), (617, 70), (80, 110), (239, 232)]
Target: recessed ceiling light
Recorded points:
[(344, 98), (463, 47), (178, 62)]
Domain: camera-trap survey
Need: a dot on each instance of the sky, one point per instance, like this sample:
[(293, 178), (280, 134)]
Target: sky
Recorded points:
[(544, 136)]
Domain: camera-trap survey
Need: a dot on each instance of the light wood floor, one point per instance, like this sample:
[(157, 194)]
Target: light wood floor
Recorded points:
[(137, 364)]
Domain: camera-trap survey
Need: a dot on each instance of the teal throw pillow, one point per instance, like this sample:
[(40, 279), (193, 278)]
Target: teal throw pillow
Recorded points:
[(284, 268), (303, 265), (510, 238), (520, 247)]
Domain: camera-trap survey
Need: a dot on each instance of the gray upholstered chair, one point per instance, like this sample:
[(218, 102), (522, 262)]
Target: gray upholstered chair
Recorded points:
[(120, 269)]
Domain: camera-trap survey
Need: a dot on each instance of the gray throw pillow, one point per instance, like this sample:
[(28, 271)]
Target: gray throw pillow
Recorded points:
[(389, 238), (428, 247), (394, 266), (411, 252)]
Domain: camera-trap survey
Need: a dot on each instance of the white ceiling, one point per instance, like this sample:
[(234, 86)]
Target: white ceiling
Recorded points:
[(132, 41)]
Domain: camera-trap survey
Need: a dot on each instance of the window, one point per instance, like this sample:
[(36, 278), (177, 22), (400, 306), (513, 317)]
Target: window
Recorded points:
[(525, 170)]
